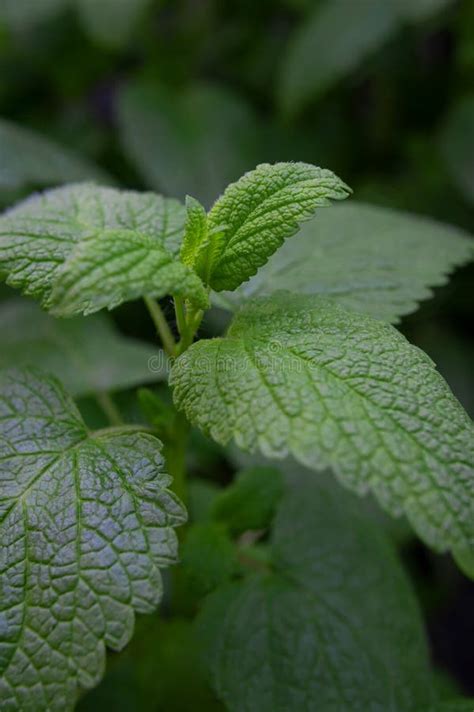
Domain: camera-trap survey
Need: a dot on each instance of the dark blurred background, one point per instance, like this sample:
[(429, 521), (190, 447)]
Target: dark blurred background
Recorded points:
[(182, 96)]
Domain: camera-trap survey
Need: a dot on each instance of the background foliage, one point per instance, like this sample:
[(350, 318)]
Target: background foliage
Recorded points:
[(182, 96)]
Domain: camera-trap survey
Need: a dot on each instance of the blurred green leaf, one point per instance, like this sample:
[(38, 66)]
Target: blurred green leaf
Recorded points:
[(160, 671), (86, 354), (332, 624), (250, 501), (336, 38), (193, 141), (208, 557), (457, 145), (111, 22), (331, 43), (28, 159)]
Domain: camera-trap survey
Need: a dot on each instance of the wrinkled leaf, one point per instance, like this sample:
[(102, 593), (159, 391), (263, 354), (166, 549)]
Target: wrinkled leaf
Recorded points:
[(115, 245), (86, 522), (301, 375), (254, 216)]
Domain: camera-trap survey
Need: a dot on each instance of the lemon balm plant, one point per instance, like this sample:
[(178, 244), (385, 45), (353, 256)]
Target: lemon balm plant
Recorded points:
[(301, 602)]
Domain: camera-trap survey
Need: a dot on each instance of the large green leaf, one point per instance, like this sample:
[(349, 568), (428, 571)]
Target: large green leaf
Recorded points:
[(302, 375), (457, 145), (193, 141), (83, 247), (87, 355), (458, 705), (378, 261), (86, 522), (256, 214), (29, 159), (331, 624), (22, 15)]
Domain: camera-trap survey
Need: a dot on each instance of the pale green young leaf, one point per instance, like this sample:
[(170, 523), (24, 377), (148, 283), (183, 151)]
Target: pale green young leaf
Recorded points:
[(195, 231), (111, 22), (80, 224), (28, 159), (116, 266), (330, 625), (254, 216), (191, 141), (87, 355), (301, 375), (86, 523), (370, 259)]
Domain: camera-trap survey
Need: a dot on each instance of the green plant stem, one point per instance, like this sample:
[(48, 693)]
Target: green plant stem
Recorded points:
[(180, 316), (161, 325), (110, 409)]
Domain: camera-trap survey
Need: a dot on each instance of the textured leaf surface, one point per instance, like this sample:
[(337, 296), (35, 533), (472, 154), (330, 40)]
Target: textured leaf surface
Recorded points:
[(332, 625), (87, 355), (86, 521), (257, 213), (112, 241), (457, 145), (378, 261), (111, 22), (335, 388), (195, 231), (192, 142), (29, 159)]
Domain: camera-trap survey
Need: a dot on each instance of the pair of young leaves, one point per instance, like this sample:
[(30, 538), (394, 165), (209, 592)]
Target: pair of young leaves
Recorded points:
[(301, 375)]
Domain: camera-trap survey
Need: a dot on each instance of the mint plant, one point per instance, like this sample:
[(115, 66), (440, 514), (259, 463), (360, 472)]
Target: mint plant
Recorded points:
[(301, 601)]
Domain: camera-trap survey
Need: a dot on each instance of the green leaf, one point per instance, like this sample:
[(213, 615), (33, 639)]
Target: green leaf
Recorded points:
[(83, 247), (332, 625), (374, 260), (195, 231), (208, 557), (301, 375), (457, 145), (29, 159), (87, 355), (250, 502), (86, 523), (111, 22), (255, 215), (193, 141)]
